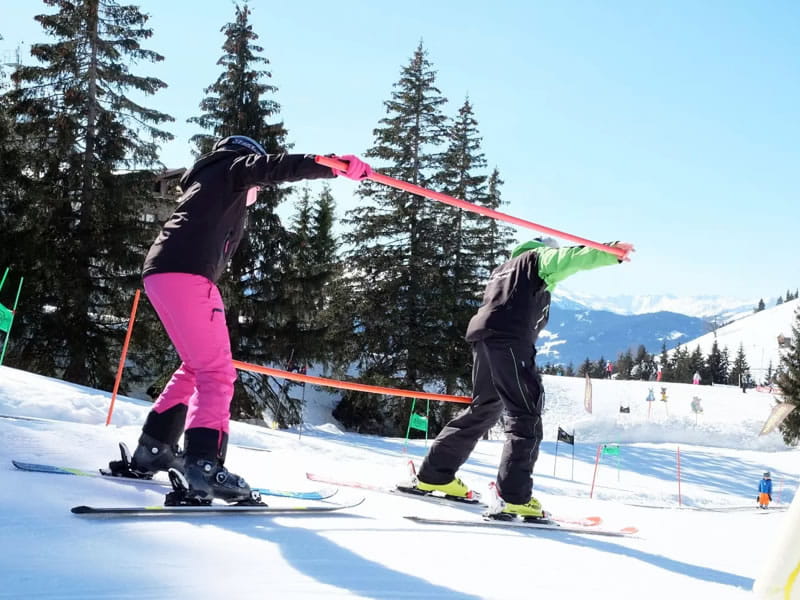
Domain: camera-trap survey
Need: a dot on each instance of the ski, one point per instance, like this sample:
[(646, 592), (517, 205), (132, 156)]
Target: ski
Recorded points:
[(456, 502), (38, 468), (544, 525), (211, 509), (400, 491)]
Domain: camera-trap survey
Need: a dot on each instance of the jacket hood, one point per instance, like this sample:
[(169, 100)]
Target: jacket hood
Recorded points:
[(206, 160), (533, 244)]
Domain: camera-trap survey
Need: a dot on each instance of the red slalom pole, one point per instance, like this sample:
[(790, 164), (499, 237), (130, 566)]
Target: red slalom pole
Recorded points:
[(122, 356), (481, 210)]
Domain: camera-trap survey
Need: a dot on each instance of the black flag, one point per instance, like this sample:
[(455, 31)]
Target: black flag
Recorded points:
[(563, 436), (625, 409)]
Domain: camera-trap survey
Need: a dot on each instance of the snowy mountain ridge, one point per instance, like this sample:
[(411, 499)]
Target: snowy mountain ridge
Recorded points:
[(757, 333), (704, 306)]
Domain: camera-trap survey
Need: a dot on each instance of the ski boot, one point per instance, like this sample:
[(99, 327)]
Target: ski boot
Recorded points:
[(157, 449), (531, 511), (202, 480), (150, 456), (455, 490)]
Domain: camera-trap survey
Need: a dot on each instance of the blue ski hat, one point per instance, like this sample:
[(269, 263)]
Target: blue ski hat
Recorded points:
[(243, 142), (539, 242)]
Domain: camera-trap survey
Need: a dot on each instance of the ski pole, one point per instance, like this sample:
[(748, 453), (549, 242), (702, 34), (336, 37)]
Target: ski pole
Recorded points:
[(481, 210)]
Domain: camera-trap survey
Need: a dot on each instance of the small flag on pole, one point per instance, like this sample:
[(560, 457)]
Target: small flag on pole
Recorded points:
[(419, 422), (611, 449), (779, 413), (563, 436)]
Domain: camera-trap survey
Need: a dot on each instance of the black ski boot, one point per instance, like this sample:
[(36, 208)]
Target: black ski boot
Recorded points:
[(203, 476), (149, 457), (203, 480), (157, 449)]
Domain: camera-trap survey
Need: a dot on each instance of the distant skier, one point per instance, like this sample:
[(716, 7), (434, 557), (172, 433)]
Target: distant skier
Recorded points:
[(609, 369), (515, 308), (696, 378), (765, 491), (659, 374)]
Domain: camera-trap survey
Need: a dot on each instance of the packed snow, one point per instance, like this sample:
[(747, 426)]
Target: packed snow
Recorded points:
[(700, 537)]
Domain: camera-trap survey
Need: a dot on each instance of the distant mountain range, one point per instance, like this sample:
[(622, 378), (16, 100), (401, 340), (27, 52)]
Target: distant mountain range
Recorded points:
[(704, 307), (583, 326)]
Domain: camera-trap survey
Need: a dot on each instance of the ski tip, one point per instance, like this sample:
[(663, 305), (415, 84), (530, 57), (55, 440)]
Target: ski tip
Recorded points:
[(629, 530), (81, 510)]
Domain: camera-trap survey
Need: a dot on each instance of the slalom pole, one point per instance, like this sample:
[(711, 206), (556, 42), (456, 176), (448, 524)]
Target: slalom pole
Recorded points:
[(572, 476), (596, 462), (679, 476), (481, 210), (555, 460), (122, 356)]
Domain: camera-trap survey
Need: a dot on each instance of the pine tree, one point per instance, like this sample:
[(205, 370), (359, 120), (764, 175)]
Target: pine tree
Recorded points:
[(788, 381), (740, 369), (697, 364), (586, 367), (625, 364), (240, 102), (681, 367), (666, 363), (395, 254), (599, 368), (644, 367), (716, 366), (760, 306), (779, 301), (75, 225)]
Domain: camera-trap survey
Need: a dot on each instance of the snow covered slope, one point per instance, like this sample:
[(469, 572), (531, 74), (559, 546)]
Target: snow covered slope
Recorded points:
[(682, 550)]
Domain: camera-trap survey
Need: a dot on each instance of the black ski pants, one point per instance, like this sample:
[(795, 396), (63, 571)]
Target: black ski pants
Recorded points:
[(503, 377)]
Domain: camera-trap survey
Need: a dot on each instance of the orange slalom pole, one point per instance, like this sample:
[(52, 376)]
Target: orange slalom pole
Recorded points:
[(347, 385), (122, 357), (463, 204)]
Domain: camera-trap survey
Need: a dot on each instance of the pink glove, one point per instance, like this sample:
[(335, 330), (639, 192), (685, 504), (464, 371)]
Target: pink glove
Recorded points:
[(356, 169), (628, 248)]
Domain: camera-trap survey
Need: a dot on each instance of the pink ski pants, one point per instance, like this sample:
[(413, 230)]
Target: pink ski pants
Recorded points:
[(191, 309)]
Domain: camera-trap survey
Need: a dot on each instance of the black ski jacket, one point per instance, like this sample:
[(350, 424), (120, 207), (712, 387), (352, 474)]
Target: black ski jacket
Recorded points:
[(207, 226), (516, 302)]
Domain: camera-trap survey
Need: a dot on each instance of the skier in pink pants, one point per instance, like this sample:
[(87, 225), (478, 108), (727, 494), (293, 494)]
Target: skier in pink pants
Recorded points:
[(180, 274)]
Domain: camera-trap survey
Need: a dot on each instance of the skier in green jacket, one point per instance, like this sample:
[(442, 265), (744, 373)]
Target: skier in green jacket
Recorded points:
[(515, 308)]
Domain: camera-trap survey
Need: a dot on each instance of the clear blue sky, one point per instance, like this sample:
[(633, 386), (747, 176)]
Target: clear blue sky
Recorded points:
[(672, 125)]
